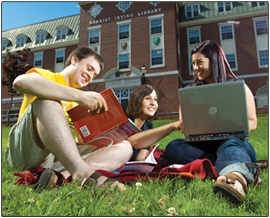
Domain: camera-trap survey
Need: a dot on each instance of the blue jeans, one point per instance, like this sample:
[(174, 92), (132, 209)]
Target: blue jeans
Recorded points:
[(232, 154)]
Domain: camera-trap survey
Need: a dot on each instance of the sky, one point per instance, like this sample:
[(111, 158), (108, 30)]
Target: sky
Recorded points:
[(21, 13)]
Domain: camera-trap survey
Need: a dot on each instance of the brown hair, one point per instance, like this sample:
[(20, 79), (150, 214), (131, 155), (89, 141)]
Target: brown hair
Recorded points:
[(84, 52), (134, 106)]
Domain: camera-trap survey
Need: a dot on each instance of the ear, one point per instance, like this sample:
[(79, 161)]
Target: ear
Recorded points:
[(74, 60)]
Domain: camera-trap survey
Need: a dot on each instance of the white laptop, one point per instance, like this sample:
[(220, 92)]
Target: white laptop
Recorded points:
[(214, 111)]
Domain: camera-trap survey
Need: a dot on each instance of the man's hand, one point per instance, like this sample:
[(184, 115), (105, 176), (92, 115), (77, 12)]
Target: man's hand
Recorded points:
[(93, 101)]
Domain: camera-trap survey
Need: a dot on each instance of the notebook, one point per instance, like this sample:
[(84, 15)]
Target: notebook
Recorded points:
[(214, 111)]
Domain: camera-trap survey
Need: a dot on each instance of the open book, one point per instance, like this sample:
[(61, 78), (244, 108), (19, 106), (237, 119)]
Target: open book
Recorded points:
[(106, 128), (142, 166)]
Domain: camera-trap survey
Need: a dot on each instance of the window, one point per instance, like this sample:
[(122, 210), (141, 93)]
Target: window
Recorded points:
[(156, 41), (157, 58), (123, 61), (4, 45), (224, 6), (123, 6), (123, 96), (124, 44), (226, 32), (194, 36), (231, 60), (61, 34), (60, 57), (192, 11), (124, 31), (261, 27), (40, 38), (256, 4), (38, 60), (263, 55), (93, 36), (262, 97), (20, 42), (156, 26)]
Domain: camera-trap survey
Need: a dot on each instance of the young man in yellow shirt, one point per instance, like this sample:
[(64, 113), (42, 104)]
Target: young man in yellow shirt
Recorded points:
[(42, 136)]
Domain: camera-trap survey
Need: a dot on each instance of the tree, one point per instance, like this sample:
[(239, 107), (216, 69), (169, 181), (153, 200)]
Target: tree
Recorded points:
[(13, 66)]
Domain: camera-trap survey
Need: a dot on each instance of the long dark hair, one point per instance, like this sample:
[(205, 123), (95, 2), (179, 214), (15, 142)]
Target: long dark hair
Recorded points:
[(134, 106), (220, 67)]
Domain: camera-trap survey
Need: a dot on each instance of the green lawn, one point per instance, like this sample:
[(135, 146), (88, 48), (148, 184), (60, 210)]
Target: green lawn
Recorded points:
[(193, 198)]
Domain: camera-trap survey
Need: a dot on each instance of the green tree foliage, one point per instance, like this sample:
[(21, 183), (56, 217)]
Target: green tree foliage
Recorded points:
[(13, 66)]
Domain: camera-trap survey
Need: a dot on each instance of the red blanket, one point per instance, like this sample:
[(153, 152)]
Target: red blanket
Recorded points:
[(198, 169)]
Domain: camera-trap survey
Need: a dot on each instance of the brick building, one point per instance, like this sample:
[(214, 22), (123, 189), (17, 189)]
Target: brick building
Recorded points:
[(156, 35)]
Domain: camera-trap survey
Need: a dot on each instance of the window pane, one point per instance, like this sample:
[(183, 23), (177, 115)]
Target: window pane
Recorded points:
[(227, 6), (231, 59), (261, 27), (157, 57), (156, 26), (194, 37), (226, 32), (263, 57), (220, 6), (124, 31), (254, 4), (60, 57), (123, 61), (195, 10)]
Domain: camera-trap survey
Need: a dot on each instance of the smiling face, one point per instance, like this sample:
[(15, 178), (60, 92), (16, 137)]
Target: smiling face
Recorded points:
[(149, 105), (84, 71), (202, 67)]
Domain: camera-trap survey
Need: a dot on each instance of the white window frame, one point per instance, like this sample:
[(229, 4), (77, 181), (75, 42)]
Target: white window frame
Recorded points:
[(257, 4), (232, 31), (39, 41), (261, 99), (255, 25), (193, 45), (235, 63), (20, 44), (59, 37), (262, 58), (94, 46), (123, 51), (192, 11), (156, 48), (119, 93), (224, 5), (59, 66), (38, 54), (193, 31), (261, 40), (4, 41)]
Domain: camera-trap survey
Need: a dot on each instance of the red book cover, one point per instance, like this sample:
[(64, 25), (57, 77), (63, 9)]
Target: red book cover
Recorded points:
[(105, 128)]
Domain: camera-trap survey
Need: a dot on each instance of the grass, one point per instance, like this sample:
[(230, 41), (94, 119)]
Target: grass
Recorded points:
[(189, 198)]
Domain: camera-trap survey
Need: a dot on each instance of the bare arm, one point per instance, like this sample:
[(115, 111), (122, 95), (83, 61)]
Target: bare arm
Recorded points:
[(252, 118), (151, 136), (37, 85)]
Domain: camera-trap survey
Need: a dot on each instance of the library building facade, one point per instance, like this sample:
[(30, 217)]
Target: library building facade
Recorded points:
[(149, 43)]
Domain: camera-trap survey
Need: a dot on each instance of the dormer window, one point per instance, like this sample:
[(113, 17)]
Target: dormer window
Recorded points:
[(4, 45), (61, 34), (20, 42), (192, 11), (224, 6), (40, 38)]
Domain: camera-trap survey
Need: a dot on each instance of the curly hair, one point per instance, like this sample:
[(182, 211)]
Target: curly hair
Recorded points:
[(134, 106)]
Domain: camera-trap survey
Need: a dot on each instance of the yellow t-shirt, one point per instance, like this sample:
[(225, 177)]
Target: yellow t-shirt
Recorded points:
[(56, 77)]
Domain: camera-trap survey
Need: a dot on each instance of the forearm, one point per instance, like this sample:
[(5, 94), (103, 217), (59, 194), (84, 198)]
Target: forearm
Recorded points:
[(151, 136), (42, 87)]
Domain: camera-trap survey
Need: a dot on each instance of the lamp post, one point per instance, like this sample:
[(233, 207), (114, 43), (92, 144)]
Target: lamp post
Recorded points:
[(143, 70)]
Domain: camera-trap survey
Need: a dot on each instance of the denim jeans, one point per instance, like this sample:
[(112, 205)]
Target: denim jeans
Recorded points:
[(232, 154)]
